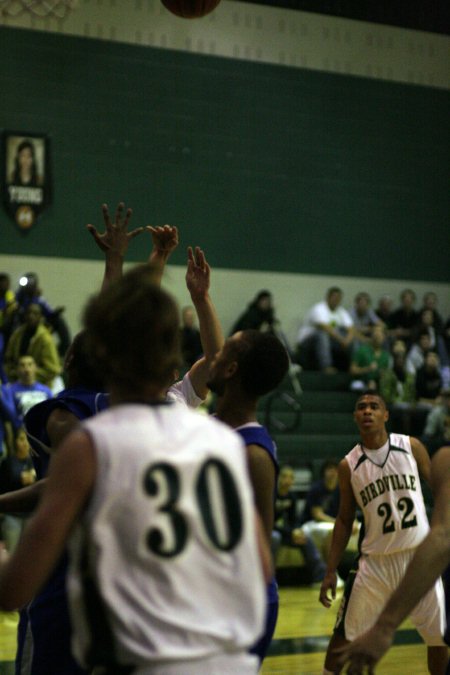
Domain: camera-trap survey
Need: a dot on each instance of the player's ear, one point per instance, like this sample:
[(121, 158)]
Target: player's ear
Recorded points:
[(231, 369)]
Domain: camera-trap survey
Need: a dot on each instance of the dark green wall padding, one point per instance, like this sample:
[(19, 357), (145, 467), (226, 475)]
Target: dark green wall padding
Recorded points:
[(266, 167)]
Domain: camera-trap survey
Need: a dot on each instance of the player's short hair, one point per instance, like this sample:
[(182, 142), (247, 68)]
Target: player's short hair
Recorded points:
[(370, 392), (80, 364), (133, 330), (263, 362)]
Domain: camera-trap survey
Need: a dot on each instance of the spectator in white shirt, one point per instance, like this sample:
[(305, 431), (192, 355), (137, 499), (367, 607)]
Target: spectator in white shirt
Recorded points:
[(325, 340)]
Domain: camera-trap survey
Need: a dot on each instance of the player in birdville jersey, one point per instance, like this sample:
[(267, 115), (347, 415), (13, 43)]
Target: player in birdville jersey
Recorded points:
[(381, 477), (167, 558)]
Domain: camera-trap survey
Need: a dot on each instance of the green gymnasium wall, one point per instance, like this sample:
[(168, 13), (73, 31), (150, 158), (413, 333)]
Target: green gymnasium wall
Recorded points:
[(267, 167)]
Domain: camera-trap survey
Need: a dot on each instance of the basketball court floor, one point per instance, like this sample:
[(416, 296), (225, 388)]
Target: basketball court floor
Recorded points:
[(300, 642)]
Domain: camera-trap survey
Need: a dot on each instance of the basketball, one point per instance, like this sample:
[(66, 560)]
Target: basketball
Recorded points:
[(190, 9)]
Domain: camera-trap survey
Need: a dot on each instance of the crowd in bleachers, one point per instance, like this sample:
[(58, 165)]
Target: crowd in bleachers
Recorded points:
[(401, 352)]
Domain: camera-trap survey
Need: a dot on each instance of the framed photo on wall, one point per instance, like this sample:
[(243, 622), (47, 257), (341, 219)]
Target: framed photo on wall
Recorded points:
[(26, 178)]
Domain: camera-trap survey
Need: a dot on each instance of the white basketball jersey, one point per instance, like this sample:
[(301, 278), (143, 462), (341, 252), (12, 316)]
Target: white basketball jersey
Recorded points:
[(390, 497), (164, 566)]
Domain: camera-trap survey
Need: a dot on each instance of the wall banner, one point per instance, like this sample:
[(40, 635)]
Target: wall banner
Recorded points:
[(26, 179)]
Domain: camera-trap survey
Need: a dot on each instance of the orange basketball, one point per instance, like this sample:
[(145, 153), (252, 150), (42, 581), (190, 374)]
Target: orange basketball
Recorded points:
[(190, 9)]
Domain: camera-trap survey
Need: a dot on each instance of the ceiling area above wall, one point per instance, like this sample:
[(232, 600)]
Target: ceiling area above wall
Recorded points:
[(431, 16)]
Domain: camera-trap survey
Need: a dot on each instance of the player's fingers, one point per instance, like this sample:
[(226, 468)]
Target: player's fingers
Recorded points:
[(190, 253), (128, 215), (106, 217), (119, 209), (134, 233), (95, 235)]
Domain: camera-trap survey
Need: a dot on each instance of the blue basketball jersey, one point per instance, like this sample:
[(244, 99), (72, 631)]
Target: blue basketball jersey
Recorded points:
[(44, 628), (256, 434), (79, 401)]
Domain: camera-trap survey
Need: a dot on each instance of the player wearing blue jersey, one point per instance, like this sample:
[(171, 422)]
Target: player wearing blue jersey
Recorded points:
[(249, 365)]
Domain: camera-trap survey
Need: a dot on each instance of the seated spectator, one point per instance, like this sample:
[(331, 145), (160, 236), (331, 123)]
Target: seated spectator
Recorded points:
[(369, 361), (397, 387), (447, 335), (429, 380), (29, 293), (321, 509), (404, 319), (322, 506), (326, 338), (26, 391), (384, 309), (16, 472), (33, 339), (363, 316), (191, 344), (430, 302), (8, 308), (416, 354), (259, 315), (437, 342), (287, 530), (437, 425)]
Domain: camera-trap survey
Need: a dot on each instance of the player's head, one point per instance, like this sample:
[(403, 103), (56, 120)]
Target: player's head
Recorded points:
[(255, 362), (371, 413), (133, 330), (79, 366), (26, 370)]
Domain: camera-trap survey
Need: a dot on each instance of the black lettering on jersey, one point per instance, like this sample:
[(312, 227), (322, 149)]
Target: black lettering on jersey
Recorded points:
[(217, 499), (386, 484), (404, 504)]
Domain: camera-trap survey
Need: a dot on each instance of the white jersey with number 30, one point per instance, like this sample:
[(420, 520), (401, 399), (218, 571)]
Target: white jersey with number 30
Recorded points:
[(390, 497), (164, 566)]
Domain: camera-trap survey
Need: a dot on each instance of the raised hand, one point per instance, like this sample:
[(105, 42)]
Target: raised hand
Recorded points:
[(115, 239), (165, 238), (197, 273)]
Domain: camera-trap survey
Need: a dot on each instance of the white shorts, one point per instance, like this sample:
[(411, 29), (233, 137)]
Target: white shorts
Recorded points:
[(377, 577)]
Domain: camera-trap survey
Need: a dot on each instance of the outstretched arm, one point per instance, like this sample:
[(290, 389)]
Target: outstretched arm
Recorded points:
[(114, 241), (198, 281), (429, 561), (165, 241)]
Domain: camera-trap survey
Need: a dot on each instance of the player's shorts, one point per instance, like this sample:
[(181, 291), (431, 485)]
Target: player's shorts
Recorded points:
[(370, 586), (240, 663)]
